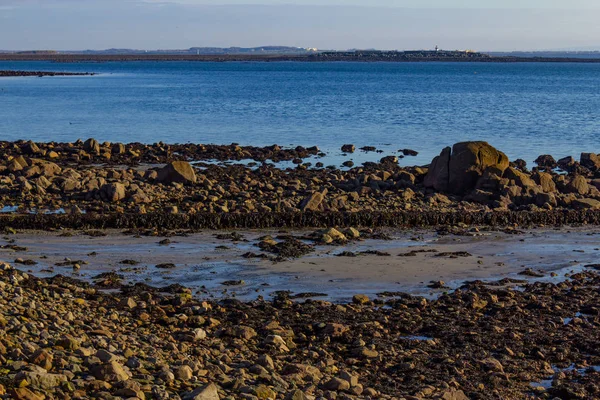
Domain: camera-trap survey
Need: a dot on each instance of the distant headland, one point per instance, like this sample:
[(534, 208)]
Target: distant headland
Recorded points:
[(283, 53)]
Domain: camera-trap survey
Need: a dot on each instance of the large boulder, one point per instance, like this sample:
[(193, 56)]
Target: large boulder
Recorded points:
[(438, 175), (177, 172), (457, 170)]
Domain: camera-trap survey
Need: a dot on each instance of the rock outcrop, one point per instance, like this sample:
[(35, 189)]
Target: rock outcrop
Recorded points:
[(457, 170)]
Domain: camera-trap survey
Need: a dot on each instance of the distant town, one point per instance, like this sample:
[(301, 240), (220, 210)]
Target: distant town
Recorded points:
[(287, 50)]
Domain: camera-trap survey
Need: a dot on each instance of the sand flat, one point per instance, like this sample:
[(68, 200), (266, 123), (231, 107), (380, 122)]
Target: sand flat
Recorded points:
[(203, 264)]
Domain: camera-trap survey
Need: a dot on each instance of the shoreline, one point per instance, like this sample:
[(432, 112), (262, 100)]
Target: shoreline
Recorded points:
[(66, 58), (40, 74)]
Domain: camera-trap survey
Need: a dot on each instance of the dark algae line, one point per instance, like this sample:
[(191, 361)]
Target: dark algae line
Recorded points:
[(297, 220)]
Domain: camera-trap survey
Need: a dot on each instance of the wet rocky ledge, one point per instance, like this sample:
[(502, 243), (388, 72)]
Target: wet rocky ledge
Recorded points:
[(9, 73), (146, 185), (65, 339)]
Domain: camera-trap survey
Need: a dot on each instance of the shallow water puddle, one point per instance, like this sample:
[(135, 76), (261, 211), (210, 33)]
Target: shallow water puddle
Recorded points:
[(15, 209), (418, 338), (203, 263), (547, 383)]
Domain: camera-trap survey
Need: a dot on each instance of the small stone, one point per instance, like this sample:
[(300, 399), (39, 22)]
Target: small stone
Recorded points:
[(360, 299), (265, 393), (352, 379), (453, 394), (266, 361), (278, 342), (42, 358), (110, 372), (337, 384), (244, 332), (208, 392), (129, 303), (24, 394), (184, 373), (106, 356), (199, 334), (68, 343)]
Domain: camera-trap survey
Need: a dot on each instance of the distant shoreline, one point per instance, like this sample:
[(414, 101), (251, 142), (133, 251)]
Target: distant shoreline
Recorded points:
[(10, 74), (342, 57)]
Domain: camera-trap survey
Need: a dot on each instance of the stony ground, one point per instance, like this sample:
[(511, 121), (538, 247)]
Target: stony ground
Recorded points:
[(63, 339)]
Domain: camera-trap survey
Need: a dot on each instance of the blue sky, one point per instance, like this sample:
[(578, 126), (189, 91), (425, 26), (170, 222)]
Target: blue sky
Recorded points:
[(325, 24)]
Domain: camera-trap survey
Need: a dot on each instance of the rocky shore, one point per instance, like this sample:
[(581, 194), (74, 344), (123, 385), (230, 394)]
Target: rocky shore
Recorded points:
[(64, 339), (40, 74), (161, 184)]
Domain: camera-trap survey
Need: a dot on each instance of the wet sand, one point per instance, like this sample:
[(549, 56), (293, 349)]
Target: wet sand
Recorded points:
[(203, 262)]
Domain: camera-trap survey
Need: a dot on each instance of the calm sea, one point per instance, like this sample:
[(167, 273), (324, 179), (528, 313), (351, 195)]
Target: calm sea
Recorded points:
[(523, 109)]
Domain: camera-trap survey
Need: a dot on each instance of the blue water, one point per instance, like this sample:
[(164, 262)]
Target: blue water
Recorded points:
[(523, 109)]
